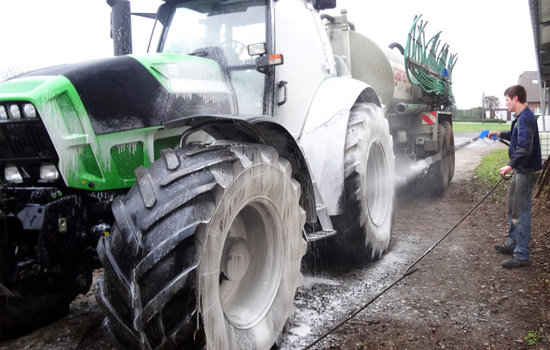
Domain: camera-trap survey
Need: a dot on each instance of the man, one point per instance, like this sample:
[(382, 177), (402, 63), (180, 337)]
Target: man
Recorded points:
[(525, 158)]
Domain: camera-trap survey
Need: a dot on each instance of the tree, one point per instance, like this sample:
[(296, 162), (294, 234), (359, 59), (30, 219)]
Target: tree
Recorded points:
[(490, 103)]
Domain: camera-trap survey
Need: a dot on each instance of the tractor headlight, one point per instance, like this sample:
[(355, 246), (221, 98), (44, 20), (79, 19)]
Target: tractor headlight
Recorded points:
[(15, 112), (48, 172), (3, 113), (29, 111), (11, 174)]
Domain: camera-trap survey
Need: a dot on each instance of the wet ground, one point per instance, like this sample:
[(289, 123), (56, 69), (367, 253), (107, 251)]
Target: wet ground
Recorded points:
[(459, 298)]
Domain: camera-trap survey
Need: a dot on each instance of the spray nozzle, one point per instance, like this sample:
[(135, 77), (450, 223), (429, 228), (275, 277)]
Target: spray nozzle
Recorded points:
[(485, 133)]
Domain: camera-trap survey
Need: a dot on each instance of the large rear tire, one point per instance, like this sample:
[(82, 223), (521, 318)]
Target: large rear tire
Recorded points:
[(207, 245), (450, 149), (364, 230)]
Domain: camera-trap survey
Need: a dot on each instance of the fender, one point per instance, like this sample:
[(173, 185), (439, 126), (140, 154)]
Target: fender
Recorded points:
[(324, 134), (257, 129)]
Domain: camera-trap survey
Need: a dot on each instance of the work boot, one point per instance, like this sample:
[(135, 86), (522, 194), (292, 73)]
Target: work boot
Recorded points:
[(514, 262), (505, 249)]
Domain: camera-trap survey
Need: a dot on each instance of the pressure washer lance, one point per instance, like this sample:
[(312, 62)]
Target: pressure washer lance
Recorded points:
[(423, 165), (483, 136), (411, 268)]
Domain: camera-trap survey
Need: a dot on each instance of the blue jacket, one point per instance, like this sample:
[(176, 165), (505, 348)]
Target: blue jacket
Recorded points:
[(524, 150)]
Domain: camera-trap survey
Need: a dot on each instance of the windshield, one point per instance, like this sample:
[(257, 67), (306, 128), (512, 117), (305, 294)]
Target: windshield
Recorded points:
[(230, 28), (222, 30)]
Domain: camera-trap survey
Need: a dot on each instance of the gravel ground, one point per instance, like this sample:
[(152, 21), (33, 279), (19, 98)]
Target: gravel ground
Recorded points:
[(459, 298)]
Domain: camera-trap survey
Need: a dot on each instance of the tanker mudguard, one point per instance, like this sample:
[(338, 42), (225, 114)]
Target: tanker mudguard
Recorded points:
[(328, 120), (257, 129)]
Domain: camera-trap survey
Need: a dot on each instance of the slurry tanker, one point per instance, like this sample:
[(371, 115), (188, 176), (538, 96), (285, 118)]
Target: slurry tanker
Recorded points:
[(198, 174)]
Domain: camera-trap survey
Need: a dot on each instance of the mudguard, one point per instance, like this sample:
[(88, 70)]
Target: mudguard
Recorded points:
[(258, 129), (324, 135)]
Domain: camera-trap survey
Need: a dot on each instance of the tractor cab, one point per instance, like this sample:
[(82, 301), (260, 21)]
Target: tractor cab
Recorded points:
[(234, 34)]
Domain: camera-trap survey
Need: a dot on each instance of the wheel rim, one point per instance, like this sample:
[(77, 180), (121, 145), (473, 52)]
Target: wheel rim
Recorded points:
[(251, 263), (377, 184)]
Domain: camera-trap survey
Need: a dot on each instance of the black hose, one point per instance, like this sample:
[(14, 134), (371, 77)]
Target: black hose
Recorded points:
[(408, 271), (327, 17), (331, 19), (397, 46)]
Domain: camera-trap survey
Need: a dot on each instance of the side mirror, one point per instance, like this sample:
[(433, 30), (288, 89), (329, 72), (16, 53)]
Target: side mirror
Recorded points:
[(323, 4), (163, 13)]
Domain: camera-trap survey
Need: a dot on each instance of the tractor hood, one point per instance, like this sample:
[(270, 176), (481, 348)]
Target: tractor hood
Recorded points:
[(131, 92)]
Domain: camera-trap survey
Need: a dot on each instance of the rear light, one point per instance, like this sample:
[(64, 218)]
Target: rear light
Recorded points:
[(264, 62), (275, 59)]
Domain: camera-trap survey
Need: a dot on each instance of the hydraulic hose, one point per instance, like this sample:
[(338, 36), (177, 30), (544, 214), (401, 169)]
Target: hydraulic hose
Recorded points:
[(426, 63)]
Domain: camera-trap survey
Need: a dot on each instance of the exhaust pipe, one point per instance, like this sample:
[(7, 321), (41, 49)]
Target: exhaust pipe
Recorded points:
[(121, 26)]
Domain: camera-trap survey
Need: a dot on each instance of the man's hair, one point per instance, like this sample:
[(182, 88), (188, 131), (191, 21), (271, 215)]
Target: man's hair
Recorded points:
[(516, 90)]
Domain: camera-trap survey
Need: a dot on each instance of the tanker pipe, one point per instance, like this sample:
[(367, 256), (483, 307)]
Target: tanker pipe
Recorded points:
[(404, 108)]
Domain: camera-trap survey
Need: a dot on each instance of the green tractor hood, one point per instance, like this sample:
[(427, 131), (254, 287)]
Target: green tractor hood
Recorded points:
[(104, 118)]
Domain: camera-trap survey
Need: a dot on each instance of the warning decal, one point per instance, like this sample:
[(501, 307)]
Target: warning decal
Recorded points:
[(429, 118)]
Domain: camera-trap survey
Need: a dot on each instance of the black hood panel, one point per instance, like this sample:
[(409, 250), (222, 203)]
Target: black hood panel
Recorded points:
[(119, 93)]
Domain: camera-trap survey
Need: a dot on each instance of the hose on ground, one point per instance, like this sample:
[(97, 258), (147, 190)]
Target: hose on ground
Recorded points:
[(410, 269)]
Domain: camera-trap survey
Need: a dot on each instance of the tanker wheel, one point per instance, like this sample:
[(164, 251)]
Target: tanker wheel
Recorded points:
[(206, 249), (450, 148), (439, 174), (364, 230)]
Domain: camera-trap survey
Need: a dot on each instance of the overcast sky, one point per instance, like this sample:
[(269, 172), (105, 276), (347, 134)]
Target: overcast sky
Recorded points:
[(493, 38)]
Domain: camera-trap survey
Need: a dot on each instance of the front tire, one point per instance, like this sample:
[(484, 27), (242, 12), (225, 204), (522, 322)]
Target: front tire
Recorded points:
[(209, 238), (364, 230)]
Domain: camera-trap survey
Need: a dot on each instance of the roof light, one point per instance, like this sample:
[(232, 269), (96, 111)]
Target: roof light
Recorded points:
[(29, 111), (256, 49)]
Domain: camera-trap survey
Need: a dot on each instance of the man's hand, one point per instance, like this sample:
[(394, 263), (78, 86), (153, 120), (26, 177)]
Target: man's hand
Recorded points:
[(504, 170), (491, 133)]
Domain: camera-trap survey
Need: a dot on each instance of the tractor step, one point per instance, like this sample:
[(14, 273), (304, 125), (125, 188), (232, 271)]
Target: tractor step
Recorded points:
[(317, 235)]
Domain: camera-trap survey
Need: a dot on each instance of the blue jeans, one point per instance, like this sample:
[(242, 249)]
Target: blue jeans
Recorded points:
[(519, 213)]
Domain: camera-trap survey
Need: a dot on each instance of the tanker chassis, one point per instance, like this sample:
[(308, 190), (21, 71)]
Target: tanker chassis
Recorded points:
[(414, 85), (203, 171)]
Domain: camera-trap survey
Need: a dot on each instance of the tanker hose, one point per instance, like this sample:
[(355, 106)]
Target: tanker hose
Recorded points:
[(428, 64)]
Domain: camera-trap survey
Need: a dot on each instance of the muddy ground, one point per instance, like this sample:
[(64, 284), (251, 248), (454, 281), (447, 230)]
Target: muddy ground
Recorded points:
[(459, 298)]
